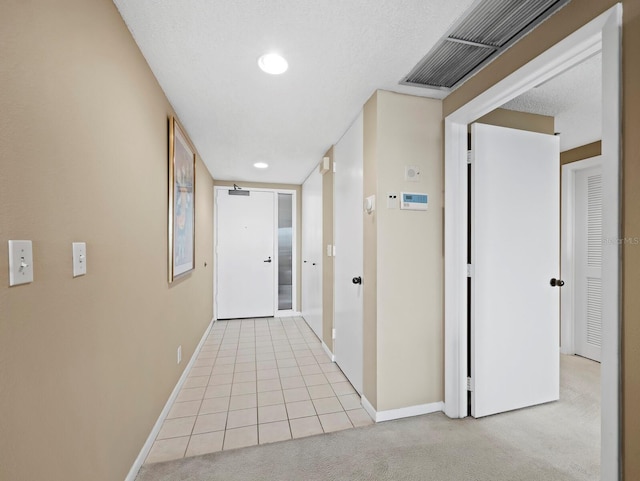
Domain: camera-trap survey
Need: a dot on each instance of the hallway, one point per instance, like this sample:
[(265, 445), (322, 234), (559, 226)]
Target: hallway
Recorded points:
[(256, 382)]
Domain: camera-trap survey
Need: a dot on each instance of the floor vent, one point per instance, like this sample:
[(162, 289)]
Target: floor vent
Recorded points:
[(484, 32)]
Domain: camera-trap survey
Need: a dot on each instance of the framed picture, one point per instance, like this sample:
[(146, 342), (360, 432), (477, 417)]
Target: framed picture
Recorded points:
[(182, 189)]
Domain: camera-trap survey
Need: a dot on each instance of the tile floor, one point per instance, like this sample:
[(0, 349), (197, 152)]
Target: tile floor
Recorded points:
[(257, 381)]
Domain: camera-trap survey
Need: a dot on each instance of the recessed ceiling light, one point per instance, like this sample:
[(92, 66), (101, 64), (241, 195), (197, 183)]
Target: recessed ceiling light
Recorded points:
[(273, 63), (261, 165)]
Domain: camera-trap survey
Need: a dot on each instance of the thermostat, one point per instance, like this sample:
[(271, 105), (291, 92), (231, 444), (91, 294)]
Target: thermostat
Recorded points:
[(413, 201)]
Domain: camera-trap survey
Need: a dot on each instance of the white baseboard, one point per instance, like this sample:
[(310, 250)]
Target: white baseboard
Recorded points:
[(379, 416), (368, 407), (137, 464), (328, 351)]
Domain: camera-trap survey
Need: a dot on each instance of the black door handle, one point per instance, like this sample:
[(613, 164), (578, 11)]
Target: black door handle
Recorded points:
[(556, 282), (268, 260), (357, 280)]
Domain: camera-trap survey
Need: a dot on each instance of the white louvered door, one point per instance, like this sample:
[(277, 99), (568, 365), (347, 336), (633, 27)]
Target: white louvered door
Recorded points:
[(588, 263)]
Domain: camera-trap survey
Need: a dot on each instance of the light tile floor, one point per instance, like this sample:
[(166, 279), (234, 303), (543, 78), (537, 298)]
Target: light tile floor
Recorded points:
[(257, 381)]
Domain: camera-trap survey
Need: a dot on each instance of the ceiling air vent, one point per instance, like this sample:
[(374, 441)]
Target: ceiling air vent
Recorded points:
[(487, 29)]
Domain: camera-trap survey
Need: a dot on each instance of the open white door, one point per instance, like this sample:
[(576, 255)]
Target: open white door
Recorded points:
[(348, 234), (312, 251), (515, 353), (245, 232)]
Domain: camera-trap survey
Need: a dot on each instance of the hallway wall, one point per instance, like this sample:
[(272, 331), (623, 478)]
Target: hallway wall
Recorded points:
[(87, 364), (403, 254)]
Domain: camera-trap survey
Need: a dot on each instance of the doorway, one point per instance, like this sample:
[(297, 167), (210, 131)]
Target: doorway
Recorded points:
[(582, 258), (255, 252), (601, 34)]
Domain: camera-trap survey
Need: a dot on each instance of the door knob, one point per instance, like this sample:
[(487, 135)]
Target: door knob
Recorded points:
[(556, 282), (357, 280), (268, 260)]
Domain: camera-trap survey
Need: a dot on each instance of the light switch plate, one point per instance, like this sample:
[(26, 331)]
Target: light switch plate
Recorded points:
[(392, 200), (20, 262), (79, 258)]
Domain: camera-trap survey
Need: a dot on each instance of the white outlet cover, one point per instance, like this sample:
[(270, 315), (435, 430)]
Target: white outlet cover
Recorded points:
[(79, 258), (20, 262)]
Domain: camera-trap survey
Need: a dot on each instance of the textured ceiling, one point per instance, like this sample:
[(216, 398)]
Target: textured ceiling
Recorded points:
[(574, 98), (204, 54)]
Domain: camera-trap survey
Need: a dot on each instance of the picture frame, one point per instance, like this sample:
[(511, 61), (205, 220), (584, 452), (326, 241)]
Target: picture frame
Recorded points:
[(182, 189)]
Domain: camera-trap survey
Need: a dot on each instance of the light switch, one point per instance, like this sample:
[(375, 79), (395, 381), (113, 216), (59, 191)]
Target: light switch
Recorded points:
[(20, 262), (370, 204), (392, 200), (79, 259)]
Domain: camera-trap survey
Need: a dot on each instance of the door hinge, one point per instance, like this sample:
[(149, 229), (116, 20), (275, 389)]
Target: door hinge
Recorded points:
[(329, 250), (334, 167), (333, 333), (469, 156), (469, 270), (469, 384), (334, 251)]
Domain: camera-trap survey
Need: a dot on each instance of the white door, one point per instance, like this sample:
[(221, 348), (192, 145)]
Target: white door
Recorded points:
[(245, 259), (515, 352), (312, 251), (348, 226), (588, 263)]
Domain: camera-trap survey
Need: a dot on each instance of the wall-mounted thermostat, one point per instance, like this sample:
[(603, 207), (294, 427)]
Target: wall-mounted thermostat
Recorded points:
[(413, 201)]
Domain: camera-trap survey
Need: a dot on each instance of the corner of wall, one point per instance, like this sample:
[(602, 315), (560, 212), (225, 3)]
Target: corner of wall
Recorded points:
[(370, 253)]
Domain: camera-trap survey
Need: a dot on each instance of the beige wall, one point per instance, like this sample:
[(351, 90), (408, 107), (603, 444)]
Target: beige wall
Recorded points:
[(298, 189), (567, 20), (543, 124), (579, 153), (87, 364), (327, 262), (409, 263)]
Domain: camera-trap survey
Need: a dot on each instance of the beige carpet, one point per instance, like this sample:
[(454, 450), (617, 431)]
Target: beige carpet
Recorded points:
[(557, 441)]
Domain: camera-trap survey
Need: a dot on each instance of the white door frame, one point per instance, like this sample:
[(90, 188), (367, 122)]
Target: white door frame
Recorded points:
[(567, 293), (601, 34), (294, 251)]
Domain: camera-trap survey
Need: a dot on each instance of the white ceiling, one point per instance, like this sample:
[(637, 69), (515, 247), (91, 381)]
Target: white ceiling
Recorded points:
[(575, 100), (204, 54)]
